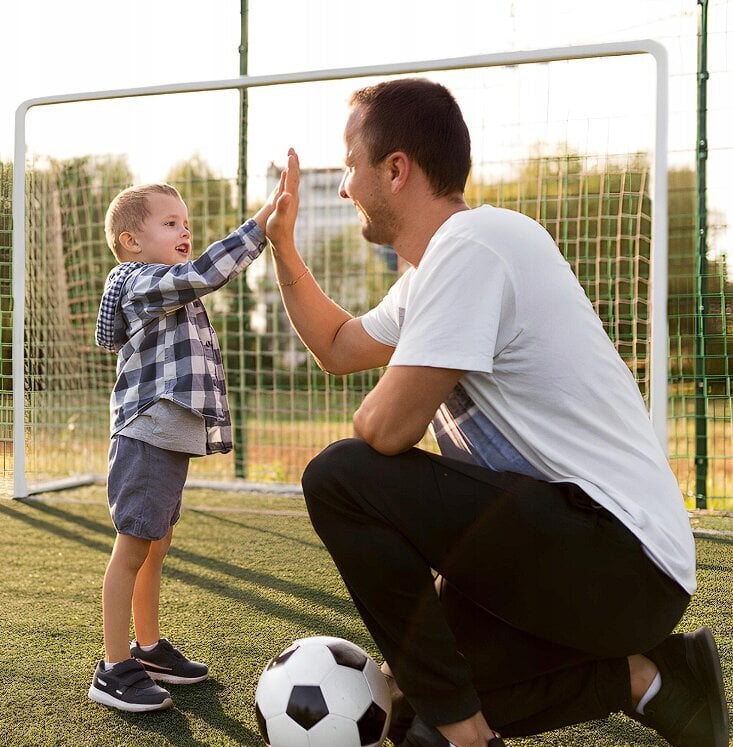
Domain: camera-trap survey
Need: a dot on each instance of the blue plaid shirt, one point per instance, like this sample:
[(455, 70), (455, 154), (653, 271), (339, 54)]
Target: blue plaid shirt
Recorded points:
[(151, 316)]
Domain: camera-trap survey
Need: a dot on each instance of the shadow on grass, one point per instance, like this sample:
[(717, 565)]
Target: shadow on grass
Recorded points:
[(256, 578), (702, 537), (202, 701), (244, 525), (73, 536), (715, 567), (286, 611)]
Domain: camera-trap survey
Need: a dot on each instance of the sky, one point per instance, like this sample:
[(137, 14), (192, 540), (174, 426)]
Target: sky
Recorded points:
[(51, 48)]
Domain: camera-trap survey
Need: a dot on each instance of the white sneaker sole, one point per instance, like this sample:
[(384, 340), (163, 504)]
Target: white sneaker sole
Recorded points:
[(173, 679), (98, 696)]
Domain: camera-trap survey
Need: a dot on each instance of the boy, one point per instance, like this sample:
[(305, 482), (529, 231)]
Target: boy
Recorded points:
[(168, 404)]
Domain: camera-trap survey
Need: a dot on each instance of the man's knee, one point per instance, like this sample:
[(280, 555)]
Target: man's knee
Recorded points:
[(333, 479), (338, 464)]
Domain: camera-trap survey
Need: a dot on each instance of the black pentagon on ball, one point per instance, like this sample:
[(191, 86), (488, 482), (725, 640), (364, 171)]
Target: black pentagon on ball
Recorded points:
[(262, 723), (282, 657), (348, 656), (371, 724), (306, 705)]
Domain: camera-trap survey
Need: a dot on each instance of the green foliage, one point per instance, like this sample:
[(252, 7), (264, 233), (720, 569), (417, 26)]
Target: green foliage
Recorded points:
[(683, 297)]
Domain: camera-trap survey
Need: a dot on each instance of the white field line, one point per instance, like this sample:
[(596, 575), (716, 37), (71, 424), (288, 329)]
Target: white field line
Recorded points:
[(205, 509)]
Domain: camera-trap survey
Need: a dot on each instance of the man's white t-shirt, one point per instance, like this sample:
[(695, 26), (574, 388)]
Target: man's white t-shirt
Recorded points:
[(545, 392)]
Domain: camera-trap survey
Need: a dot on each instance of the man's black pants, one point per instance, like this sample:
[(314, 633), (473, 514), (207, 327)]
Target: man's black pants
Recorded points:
[(542, 594)]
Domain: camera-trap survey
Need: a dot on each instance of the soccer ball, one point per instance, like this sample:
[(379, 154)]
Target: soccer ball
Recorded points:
[(323, 692)]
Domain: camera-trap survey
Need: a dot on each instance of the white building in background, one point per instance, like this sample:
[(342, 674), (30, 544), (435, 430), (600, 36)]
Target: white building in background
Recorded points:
[(323, 213), (326, 223)]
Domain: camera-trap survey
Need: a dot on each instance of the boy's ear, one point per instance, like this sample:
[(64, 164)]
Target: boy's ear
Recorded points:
[(129, 243)]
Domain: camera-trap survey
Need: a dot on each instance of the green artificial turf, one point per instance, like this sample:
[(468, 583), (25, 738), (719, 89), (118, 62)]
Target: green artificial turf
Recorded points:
[(246, 575)]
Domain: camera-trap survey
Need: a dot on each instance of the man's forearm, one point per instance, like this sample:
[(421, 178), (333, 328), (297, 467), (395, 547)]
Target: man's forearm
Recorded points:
[(315, 317)]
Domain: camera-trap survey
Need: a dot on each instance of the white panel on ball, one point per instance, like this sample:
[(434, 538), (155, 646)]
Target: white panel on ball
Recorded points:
[(273, 699), (332, 731), (309, 664), (284, 732), (378, 686), (346, 692)]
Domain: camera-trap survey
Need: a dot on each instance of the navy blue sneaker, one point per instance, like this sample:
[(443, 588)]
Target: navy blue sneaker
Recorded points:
[(128, 687), (690, 710), (165, 663)]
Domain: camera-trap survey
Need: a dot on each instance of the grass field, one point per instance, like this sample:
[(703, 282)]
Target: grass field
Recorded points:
[(246, 576)]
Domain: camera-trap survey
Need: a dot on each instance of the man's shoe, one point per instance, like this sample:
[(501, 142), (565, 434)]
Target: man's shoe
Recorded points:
[(165, 663), (128, 687), (690, 709)]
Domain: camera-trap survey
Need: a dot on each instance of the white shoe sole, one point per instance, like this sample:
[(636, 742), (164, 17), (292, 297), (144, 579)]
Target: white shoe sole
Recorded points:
[(172, 679), (98, 696)]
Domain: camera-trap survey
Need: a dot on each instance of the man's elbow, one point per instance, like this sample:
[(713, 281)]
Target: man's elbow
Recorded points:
[(389, 446), (333, 364), (388, 439), (333, 368)]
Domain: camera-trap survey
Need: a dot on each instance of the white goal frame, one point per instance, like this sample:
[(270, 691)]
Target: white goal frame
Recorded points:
[(658, 277)]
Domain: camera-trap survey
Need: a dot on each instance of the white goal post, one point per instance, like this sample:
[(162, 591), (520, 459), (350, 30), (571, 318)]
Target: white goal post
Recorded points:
[(658, 260)]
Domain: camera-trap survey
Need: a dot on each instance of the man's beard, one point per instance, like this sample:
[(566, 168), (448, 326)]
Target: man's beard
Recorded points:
[(380, 227)]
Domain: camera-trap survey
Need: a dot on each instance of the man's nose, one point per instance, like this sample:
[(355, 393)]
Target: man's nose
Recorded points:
[(342, 187)]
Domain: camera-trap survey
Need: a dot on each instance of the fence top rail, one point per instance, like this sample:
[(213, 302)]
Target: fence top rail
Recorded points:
[(522, 57)]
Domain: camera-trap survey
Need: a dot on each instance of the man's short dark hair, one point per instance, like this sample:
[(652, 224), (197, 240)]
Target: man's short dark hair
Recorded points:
[(422, 119)]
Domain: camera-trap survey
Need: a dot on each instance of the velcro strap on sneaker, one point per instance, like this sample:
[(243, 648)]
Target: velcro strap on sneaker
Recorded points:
[(132, 672)]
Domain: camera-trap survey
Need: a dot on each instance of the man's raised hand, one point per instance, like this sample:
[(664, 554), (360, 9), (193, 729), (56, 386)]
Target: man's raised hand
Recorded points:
[(281, 221)]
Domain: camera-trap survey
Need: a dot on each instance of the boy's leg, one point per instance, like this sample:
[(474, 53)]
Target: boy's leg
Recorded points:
[(126, 685), (161, 659), (141, 513), (146, 596), (128, 555), (144, 489), (151, 487), (565, 579)]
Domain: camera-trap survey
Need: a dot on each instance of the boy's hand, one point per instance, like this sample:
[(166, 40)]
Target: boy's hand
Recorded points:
[(280, 221), (261, 216)]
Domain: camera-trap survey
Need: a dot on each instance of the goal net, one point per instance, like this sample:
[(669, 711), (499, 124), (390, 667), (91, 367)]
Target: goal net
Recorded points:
[(572, 143)]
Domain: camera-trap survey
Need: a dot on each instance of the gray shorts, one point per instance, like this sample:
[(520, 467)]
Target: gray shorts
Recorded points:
[(144, 487)]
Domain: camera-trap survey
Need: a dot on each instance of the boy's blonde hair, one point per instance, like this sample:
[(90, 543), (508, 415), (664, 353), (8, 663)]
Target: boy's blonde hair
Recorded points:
[(129, 209)]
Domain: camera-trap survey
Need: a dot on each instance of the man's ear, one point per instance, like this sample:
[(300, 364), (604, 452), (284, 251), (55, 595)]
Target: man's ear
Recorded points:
[(398, 169), (129, 243)]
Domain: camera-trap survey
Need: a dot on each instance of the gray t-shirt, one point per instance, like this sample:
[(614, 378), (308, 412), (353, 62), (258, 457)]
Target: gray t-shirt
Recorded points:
[(169, 426)]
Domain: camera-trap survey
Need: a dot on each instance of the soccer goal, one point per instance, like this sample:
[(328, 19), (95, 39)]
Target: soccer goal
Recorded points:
[(574, 137)]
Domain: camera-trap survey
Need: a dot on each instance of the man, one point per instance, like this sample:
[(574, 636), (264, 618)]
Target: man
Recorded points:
[(563, 546)]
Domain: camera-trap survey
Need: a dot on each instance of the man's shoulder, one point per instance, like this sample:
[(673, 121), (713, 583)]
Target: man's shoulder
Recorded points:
[(491, 215), (502, 231)]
